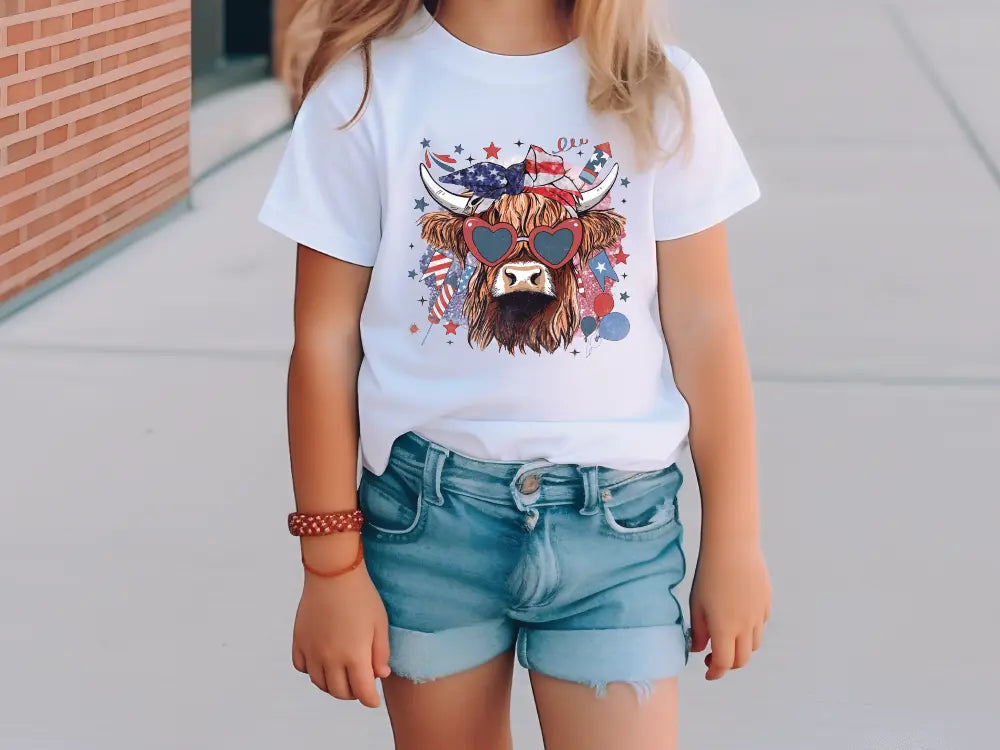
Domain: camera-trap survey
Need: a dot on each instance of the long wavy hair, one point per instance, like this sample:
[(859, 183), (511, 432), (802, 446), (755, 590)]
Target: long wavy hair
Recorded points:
[(624, 42)]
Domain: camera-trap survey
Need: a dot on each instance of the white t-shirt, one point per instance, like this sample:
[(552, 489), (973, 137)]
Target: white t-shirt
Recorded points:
[(512, 312)]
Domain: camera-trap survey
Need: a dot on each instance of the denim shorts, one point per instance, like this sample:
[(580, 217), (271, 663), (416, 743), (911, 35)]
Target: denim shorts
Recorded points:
[(573, 565)]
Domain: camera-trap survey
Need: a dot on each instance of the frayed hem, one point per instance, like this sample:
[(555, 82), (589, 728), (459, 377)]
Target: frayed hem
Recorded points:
[(416, 680), (643, 689)]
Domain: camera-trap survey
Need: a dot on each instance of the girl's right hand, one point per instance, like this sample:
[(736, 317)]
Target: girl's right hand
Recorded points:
[(341, 637)]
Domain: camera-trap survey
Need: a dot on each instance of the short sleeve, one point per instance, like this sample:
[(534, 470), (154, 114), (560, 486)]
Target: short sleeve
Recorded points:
[(325, 194), (710, 181)]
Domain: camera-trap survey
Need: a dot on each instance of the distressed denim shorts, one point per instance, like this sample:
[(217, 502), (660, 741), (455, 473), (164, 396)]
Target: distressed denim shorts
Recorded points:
[(573, 565)]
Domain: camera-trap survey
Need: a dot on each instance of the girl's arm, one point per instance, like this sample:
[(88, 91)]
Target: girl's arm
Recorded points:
[(322, 396), (730, 598), (341, 630)]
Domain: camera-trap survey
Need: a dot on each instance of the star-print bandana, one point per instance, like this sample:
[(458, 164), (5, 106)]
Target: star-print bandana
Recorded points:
[(540, 172)]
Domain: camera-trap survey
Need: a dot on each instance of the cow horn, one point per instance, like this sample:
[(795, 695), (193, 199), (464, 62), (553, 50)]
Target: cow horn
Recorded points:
[(455, 203), (590, 198)]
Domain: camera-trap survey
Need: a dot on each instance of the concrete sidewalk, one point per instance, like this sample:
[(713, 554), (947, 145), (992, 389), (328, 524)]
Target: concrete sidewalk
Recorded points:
[(142, 410)]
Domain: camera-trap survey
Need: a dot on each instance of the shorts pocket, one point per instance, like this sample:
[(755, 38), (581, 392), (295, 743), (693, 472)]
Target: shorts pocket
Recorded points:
[(393, 509), (643, 509)]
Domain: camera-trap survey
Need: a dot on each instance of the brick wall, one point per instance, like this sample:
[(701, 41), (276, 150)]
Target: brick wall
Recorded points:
[(94, 112)]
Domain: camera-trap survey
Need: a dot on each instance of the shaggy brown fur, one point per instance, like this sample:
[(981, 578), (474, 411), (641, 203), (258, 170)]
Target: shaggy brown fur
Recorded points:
[(537, 324)]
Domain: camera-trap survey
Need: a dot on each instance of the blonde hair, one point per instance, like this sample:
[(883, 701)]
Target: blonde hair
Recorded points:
[(625, 45)]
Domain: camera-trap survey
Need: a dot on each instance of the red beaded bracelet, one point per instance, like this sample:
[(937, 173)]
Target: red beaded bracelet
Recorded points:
[(318, 524)]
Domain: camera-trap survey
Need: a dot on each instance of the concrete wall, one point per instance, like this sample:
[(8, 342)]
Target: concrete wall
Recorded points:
[(94, 113)]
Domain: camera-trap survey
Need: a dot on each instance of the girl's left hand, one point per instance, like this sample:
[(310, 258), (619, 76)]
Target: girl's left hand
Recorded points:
[(730, 603)]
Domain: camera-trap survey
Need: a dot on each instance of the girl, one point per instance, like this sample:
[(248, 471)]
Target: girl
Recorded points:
[(507, 211)]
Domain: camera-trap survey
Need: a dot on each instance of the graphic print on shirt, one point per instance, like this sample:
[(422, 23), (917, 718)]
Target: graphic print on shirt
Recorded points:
[(522, 255)]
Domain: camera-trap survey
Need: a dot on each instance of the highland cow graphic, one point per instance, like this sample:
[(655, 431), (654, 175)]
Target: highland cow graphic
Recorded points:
[(530, 229)]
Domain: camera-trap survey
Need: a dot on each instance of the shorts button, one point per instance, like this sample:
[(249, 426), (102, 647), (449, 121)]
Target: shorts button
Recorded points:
[(529, 484)]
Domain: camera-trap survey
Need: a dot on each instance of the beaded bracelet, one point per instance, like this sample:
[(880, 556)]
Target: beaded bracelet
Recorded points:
[(319, 524)]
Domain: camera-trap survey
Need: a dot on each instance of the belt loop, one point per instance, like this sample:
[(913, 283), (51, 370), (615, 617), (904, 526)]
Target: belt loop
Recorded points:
[(433, 466), (591, 491)]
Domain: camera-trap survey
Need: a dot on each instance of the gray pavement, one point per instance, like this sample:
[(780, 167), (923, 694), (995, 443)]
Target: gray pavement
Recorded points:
[(142, 410)]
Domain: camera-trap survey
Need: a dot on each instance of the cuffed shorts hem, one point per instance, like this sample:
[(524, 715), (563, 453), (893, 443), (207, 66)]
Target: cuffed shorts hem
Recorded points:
[(597, 657), (420, 656)]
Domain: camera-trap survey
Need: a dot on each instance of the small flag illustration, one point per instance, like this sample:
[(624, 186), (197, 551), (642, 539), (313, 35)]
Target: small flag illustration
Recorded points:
[(603, 270), (602, 152)]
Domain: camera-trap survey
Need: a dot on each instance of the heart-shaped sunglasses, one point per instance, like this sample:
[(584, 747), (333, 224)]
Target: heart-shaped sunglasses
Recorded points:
[(493, 243)]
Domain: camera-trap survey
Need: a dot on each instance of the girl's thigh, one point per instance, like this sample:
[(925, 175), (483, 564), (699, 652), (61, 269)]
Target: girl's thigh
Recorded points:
[(574, 717), (470, 709)]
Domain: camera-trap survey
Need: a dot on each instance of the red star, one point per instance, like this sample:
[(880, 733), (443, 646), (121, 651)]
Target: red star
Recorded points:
[(492, 151), (621, 257), (451, 327), (413, 328)]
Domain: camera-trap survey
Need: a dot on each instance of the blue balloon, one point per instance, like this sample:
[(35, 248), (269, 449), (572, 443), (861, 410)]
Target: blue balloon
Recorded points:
[(588, 325), (614, 326)]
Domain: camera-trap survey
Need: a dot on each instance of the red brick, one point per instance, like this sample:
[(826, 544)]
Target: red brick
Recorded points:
[(36, 58), (8, 125), (98, 40), (83, 18), (56, 136), (8, 65), (8, 241), (22, 149), (20, 33), (68, 49), (12, 182), (40, 170), (10, 7), (69, 103), (19, 208), (20, 92), (54, 81), (52, 26), (44, 224), (52, 192), (83, 72), (38, 114), (37, 4)]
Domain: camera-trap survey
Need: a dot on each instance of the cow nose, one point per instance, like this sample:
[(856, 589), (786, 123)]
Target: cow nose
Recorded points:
[(524, 277)]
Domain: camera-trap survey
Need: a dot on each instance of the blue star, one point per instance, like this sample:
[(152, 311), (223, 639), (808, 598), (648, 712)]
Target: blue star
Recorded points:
[(625, 181), (419, 204), (412, 274), (624, 296), (459, 149), (425, 143)]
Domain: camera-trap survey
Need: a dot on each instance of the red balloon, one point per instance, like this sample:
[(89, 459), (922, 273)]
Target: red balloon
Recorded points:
[(604, 304)]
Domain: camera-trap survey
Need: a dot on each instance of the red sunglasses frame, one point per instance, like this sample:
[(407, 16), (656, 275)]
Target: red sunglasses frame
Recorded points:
[(474, 222)]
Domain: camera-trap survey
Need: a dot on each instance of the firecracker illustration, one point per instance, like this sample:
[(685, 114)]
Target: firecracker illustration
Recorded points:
[(602, 152)]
